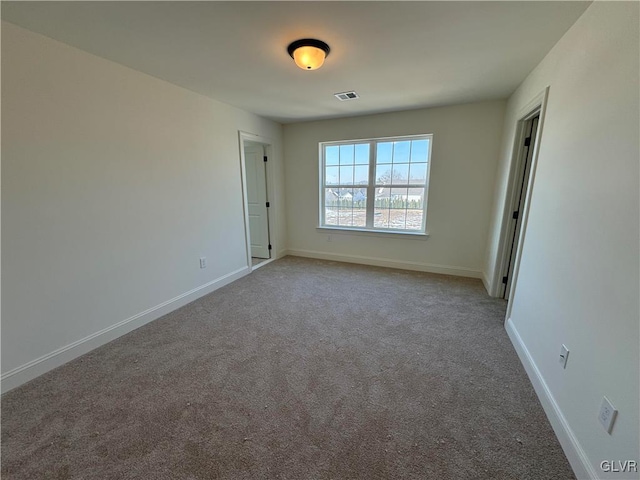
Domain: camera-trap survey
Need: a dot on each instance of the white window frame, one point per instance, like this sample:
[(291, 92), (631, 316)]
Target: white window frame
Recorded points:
[(371, 187)]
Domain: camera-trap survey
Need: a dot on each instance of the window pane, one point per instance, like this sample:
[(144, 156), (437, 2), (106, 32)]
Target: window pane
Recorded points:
[(401, 152), (345, 217), (346, 154), (361, 175), (381, 209), (346, 198), (346, 175), (359, 217), (330, 197), (382, 197), (359, 198), (415, 199), (330, 216), (400, 174), (398, 198), (362, 154), (383, 154), (414, 220), (381, 218), (383, 174), (418, 173), (360, 207), (415, 206), (331, 155), (419, 151), (331, 175), (397, 219), (398, 212)]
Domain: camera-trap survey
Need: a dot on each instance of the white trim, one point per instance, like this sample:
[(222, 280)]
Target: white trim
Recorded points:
[(39, 366), (373, 233), (542, 100), (261, 264), (538, 103), (486, 282), (245, 201), (371, 186), (387, 262), (397, 138), (572, 449), (271, 217)]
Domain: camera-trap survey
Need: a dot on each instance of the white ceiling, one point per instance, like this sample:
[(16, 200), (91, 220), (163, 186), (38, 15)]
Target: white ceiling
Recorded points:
[(395, 55)]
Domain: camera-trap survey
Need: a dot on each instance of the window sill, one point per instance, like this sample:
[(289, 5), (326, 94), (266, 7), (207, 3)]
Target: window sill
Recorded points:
[(374, 233)]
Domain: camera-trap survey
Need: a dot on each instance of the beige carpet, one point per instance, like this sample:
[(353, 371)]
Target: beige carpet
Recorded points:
[(302, 370)]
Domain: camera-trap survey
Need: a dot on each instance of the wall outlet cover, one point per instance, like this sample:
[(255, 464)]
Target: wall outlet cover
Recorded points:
[(607, 415), (564, 356)]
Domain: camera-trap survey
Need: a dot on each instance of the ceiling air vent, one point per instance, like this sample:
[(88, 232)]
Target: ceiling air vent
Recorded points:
[(346, 96)]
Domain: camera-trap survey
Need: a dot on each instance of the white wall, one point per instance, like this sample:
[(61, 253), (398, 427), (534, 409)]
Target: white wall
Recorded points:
[(466, 141), (114, 183), (578, 280)]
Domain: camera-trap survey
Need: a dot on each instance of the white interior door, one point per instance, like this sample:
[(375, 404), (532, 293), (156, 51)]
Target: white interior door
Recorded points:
[(257, 201), (524, 172)]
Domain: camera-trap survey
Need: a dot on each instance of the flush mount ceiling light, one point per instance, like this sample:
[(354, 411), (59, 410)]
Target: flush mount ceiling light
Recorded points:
[(308, 53)]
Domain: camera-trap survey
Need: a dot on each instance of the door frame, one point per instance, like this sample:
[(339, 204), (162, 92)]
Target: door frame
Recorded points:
[(519, 193), (268, 148), (537, 106)]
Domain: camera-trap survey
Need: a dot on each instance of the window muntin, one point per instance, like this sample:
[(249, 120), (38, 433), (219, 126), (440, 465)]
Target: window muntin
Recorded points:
[(378, 184)]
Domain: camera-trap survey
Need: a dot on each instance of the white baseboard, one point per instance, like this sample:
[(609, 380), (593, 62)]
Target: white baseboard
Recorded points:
[(486, 283), (37, 367), (387, 262), (573, 450)]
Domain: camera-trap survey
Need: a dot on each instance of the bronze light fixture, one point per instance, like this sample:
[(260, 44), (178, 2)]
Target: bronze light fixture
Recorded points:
[(308, 53)]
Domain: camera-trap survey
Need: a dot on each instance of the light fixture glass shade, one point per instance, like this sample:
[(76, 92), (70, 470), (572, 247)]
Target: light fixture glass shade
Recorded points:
[(308, 57)]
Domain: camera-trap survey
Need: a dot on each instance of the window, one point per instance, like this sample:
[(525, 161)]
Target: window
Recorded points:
[(377, 185)]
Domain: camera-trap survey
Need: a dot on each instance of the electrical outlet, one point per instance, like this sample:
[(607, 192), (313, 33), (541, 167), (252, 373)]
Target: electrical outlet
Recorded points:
[(329, 239), (607, 415), (564, 356), (203, 262)]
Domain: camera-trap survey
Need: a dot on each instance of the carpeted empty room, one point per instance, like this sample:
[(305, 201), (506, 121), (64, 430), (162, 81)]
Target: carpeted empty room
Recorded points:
[(304, 369)]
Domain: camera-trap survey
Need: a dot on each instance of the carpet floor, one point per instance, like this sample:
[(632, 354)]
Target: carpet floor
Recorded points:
[(305, 369)]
